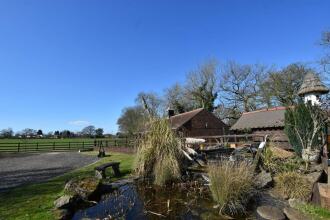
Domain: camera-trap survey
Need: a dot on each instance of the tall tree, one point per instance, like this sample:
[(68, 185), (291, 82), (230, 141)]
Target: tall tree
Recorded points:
[(283, 85), (88, 131), (325, 42), (99, 132), (239, 85), (39, 132), (201, 85), (151, 103), (28, 132), (6, 133), (132, 120), (176, 98)]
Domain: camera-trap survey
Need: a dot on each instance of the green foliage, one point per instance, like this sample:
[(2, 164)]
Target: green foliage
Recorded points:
[(278, 165), (232, 185), (292, 185), (303, 125), (159, 153), (132, 120), (315, 212)]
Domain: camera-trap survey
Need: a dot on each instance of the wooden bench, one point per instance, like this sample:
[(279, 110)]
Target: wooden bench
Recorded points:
[(100, 170)]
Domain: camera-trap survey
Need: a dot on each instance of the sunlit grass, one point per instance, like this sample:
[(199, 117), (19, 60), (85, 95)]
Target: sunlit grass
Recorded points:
[(35, 201), (159, 153), (232, 185)]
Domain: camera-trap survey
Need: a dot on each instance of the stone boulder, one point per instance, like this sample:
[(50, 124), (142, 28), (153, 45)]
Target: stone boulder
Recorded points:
[(64, 201), (270, 213), (313, 177), (84, 188), (263, 179), (62, 214), (293, 214)]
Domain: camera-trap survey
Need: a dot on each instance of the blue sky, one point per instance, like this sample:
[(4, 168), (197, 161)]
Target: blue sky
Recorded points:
[(68, 63)]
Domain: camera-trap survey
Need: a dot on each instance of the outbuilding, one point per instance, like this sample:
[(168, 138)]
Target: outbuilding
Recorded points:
[(264, 122), (197, 123)]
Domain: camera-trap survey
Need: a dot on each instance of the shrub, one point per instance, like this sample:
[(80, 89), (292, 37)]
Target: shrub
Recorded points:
[(292, 185), (303, 126), (159, 153), (275, 164), (232, 185)]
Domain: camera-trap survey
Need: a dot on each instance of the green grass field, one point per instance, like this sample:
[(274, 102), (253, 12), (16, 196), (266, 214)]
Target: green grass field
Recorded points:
[(51, 144), (35, 201), (60, 140)]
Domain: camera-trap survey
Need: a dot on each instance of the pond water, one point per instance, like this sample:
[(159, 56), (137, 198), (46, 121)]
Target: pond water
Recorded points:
[(143, 201)]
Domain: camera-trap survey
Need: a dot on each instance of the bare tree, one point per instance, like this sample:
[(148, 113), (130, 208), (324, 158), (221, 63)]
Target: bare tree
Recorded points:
[(151, 103), (6, 133), (325, 42), (283, 85), (201, 85), (88, 131), (239, 85), (176, 98)]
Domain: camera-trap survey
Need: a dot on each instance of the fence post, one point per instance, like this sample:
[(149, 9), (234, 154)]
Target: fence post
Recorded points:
[(69, 145), (126, 142), (115, 143), (54, 145), (18, 146), (37, 146), (83, 144)]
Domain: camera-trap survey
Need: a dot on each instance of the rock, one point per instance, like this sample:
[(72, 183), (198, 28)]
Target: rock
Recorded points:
[(270, 213), (293, 214), (313, 177), (84, 188), (62, 214), (119, 183), (295, 202), (99, 174), (316, 167), (263, 180), (64, 201)]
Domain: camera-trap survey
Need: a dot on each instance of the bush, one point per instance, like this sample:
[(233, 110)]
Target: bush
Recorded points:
[(232, 185), (292, 185), (275, 165), (159, 153), (303, 126)]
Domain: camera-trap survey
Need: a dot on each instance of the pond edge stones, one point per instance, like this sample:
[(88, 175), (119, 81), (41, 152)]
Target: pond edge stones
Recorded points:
[(269, 213)]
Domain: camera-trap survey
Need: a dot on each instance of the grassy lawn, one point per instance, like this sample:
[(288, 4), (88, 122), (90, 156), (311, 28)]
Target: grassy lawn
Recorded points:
[(35, 201), (51, 140), (315, 212)]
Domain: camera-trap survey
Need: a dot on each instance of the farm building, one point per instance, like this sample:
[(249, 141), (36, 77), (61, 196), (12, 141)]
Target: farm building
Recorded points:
[(262, 122), (197, 123)]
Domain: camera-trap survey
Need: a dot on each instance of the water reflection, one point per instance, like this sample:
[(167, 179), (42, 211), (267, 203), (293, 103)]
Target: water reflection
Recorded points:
[(185, 201)]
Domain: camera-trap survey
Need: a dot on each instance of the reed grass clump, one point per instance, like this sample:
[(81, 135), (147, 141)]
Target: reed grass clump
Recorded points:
[(159, 153), (292, 185), (232, 186)]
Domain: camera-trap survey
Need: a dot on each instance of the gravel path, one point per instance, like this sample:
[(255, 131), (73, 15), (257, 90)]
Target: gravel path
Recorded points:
[(18, 169)]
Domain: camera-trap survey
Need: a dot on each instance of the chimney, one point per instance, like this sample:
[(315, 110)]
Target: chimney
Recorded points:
[(170, 112)]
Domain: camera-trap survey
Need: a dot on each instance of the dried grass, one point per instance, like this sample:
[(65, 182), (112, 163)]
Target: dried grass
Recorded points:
[(159, 153), (292, 185), (232, 185)]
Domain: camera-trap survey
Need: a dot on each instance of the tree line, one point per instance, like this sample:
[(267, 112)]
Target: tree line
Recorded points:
[(89, 132), (226, 89)]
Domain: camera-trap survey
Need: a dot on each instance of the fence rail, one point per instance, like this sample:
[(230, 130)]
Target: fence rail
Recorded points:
[(35, 146)]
